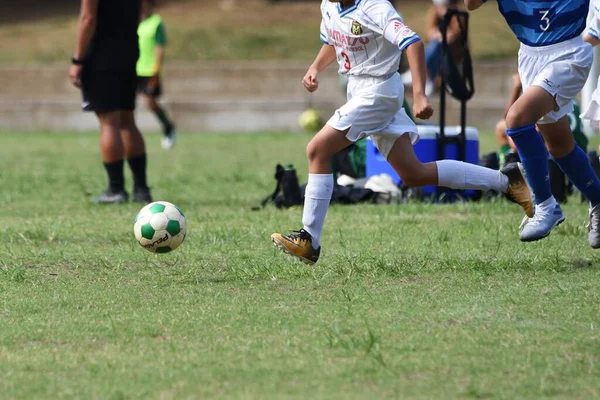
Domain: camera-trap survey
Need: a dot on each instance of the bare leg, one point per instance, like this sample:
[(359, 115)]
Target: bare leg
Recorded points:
[(133, 141), (111, 147), (135, 151), (111, 144)]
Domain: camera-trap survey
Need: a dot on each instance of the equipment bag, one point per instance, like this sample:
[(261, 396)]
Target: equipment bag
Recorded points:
[(287, 190)]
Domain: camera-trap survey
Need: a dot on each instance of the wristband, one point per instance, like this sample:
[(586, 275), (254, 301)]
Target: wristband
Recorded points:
[(76, 61)]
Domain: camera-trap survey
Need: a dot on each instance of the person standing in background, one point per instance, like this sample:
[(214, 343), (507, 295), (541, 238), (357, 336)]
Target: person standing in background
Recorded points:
[(153, 40), (433, 50), (103, 66)]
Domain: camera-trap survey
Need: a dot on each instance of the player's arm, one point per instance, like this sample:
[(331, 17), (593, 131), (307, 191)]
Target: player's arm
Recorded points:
[(415, 53), (594, 41), (592, 35), (159, 51), (325, 57), (432, 29), (408, 41), (85, 32), (474, 4)]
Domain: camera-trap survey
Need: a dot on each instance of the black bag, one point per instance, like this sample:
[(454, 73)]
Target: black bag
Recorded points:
[(287, 192), (458, 79), (490, 160)]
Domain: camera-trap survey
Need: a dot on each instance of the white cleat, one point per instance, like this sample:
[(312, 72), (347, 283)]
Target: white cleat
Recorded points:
[(541, 224), (168, 141)]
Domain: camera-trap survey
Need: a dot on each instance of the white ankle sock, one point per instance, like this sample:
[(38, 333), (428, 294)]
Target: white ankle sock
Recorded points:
[(460, 175), (316, 202)]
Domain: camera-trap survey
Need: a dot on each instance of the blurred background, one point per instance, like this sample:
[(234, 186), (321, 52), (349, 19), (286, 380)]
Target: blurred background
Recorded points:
[(232, 65)]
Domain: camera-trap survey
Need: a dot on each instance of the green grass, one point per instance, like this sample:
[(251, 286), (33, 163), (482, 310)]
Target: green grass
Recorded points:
[(253, 30), (408, 301)]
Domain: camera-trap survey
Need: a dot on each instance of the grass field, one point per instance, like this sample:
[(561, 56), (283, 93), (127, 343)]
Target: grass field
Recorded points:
[(408, 301), (234, 30)]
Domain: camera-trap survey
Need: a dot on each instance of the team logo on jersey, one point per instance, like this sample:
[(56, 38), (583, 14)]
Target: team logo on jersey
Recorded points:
[(356, 28)]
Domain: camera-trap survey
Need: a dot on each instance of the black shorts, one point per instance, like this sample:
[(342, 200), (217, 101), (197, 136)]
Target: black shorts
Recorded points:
[(144, 86), (108, 90)]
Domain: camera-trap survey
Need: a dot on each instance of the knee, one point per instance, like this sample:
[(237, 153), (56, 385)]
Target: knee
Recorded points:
[(312, 151), (517, 118), (317, 153), (109, 121)]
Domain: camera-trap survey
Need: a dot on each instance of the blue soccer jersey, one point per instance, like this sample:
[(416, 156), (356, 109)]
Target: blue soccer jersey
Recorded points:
[(545, 22)]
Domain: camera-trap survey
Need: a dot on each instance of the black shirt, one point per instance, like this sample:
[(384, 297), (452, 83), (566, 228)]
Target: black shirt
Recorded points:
[(115, 42), (117, 20)]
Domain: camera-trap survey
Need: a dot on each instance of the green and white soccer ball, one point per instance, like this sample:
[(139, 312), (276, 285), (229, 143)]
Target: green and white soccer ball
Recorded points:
[(160, 227)]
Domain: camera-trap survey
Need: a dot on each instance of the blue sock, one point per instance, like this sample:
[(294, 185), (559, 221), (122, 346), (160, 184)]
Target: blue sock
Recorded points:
[(577, 168), (534, 158)]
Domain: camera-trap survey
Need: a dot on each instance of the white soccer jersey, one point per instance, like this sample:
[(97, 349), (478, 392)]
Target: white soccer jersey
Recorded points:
[(368, 37), (593, 28)]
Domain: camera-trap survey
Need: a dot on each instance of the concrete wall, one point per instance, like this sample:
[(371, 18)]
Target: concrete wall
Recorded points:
[(217, 97)]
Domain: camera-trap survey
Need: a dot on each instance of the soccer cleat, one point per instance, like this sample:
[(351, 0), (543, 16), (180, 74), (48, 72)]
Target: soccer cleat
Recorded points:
[(594, 227), (169, 140), (298, 244), (142, 195), (518, 191), (541, 224), (110, 197)]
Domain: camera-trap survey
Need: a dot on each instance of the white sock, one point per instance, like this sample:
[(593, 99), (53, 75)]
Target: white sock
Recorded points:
[(460, 175), (316, 202)]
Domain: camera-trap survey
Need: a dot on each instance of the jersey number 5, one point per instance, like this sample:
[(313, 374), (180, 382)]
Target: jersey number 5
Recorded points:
[(545, 20), (347, 64)]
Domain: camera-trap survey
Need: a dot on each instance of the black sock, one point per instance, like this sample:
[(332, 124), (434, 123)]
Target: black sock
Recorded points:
[(161, 114), (116, 179), (138, 168)]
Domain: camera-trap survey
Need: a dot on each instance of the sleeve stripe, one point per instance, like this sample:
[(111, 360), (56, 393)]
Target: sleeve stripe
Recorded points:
[(408, 41), (324, 41)]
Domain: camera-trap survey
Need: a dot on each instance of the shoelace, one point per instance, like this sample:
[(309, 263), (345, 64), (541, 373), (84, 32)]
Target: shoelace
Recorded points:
[(539, 215), (594, 223), (300, 235)]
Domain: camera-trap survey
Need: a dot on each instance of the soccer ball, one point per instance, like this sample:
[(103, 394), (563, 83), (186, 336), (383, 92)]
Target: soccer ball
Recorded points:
[(310, 120), (160, 227)]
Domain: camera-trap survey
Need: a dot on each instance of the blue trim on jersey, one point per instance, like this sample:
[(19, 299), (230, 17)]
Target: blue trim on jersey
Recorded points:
[(408, 41), (323, 39), (593, 33), (345, 11)]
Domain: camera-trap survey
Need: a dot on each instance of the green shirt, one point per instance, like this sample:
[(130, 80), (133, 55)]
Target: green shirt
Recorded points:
[(151, 33)]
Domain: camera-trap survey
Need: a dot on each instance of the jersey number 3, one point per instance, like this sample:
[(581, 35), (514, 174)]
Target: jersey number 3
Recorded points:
[(545, 20), (347, 64)]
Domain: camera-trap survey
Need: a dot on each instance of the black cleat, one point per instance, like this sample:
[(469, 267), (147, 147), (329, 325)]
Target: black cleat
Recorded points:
[(142, 195), (110, 197)]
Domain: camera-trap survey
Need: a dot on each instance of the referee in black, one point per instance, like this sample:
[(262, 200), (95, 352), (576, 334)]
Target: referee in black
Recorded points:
[(104, 67)]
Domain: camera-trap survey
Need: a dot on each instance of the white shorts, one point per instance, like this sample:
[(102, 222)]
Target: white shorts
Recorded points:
[(374, 108), (592, 112), (560, 69)]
